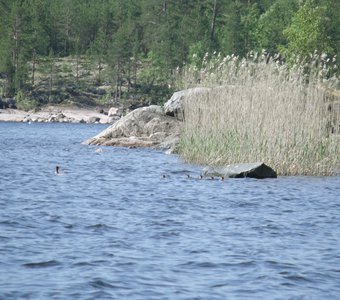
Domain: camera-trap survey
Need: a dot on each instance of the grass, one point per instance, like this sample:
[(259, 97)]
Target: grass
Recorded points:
[(261, 111)]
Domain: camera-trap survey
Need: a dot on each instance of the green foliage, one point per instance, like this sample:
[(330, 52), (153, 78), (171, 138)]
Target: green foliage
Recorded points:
[(197, 52), (307, 32), (271, 24), (145, 41), (153, 70), (24, 103), (249, 21)]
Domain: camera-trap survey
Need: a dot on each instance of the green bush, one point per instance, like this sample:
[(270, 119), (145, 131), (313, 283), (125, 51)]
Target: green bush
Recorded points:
[(24, 103)]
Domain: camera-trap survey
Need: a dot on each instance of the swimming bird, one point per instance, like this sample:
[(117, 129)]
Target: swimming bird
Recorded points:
[(99, 150), (56, 171)]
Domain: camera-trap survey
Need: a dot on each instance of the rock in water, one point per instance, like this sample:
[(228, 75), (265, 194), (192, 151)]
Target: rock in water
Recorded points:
[(253, 170), (143, 127)]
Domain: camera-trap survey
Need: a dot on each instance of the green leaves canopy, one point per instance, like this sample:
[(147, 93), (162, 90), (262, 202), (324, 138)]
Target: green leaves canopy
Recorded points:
[(160, 34)]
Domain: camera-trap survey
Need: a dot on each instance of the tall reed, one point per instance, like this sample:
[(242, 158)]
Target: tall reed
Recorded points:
[(260, 110)]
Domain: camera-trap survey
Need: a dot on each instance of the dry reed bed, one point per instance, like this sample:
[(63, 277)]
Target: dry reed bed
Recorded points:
[(258, 111)]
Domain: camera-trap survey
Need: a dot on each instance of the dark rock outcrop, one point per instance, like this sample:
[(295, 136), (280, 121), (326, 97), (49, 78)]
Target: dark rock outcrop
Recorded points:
[(253, 170)]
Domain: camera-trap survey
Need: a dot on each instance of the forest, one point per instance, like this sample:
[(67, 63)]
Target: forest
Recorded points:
[(136, 44)]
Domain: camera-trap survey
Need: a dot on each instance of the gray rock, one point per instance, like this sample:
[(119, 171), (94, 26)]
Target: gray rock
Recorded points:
[(257, 170), (112, 120), (100, 110), (114, 112), (60, 116), (143, 127), (175, 105), (93, 120), (169, 143)]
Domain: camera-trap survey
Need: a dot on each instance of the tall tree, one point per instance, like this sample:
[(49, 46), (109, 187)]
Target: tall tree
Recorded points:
[(271, 24), (307, 31)]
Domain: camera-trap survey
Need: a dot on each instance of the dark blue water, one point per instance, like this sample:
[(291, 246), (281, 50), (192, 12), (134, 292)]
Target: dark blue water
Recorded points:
[(112, 228)]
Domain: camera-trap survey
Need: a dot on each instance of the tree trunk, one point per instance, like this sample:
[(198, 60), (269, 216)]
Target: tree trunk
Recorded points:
[(16, 52), (33, 66), (50, 82), (99, 70), (213, 22), (117, 85), (77, 70)]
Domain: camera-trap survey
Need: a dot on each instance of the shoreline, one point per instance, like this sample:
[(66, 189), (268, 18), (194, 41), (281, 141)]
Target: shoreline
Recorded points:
[(57, 114)]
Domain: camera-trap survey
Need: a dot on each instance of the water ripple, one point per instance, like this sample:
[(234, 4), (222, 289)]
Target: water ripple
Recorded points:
[(113, 228), (42, 264)]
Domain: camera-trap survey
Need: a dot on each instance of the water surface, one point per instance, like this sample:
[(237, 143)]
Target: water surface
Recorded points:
[(111, 227)]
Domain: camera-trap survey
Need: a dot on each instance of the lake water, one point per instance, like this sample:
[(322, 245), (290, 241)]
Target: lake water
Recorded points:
[(111, 227)]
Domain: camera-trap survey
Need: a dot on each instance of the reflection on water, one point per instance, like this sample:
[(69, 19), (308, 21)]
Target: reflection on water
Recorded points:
[(112, 227)]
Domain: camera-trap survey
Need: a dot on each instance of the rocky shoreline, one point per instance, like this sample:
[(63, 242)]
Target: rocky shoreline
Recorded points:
[(144, 127), (58, 114), (152, 126)]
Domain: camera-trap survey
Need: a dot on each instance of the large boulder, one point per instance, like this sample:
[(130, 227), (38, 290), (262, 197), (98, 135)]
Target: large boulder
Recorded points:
[(257, 170), (175, 105), (143, 127)]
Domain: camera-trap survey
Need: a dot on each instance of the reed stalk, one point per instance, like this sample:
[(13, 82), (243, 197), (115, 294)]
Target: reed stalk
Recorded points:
[(261, 110)]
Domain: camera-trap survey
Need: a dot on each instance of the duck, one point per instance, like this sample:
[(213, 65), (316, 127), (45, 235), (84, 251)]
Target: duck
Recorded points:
[(56, 171)]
